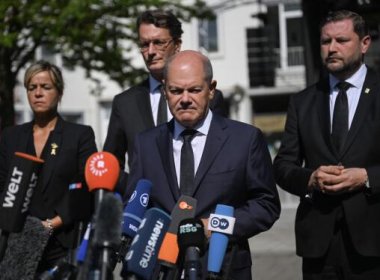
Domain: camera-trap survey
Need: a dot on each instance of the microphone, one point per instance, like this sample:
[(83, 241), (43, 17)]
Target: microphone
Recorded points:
[(133, 214), (184, 209), (81, 252), (17, 195), (101, 174), (141, 258), (106, 238), (221, 224), (62, 270), (192, 245)]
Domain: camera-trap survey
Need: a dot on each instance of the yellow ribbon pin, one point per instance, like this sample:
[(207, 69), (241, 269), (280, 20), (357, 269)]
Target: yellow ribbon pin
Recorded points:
[(54, 147)]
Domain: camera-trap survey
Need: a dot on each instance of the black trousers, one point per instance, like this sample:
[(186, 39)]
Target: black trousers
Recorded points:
[(342, 261)]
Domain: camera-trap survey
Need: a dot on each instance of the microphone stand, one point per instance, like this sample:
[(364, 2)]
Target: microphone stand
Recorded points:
[(192, 264)]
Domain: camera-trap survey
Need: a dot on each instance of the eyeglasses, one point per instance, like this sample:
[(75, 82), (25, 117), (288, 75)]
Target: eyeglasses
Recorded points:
[(158, 44)]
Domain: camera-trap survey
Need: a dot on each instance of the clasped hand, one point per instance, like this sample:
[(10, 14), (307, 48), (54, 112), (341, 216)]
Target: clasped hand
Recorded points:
[(335, 179)]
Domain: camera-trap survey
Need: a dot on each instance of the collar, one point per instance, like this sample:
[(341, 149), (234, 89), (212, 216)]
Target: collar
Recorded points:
[(153, 84), (356, 80), (202, 128)]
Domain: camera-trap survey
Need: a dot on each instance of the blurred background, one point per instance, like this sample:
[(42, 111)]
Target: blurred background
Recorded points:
[(262, 51)]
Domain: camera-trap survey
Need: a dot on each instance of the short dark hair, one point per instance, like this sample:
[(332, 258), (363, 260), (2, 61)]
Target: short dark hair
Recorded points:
[(161, 19), (53, 70), (360, 26)]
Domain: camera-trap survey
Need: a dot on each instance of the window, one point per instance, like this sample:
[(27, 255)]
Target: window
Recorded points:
[(72, 117), (295, 41), (208, 35)]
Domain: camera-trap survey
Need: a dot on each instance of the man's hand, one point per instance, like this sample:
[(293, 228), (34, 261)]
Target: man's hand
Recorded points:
[(324, 174), (335, 179), (205, 224)]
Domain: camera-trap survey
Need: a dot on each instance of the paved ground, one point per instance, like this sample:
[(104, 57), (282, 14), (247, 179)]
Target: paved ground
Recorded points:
[(273, 252)]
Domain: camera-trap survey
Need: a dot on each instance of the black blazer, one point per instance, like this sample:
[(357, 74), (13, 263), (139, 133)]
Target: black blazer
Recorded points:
[(131, 114), (52, 197), (235, 170), (306, 145)]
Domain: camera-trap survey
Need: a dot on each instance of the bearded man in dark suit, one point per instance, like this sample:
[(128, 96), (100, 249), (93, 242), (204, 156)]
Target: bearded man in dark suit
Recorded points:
[(330, 158)]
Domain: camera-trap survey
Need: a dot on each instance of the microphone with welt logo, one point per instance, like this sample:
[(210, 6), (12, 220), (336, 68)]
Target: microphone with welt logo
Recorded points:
[(192, 244), (221, 224), (16, 197), (168, 255), (141, 258), (133, 215)]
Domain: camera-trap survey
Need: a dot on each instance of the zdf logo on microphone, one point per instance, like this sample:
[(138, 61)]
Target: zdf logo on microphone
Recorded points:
[(221, 223)]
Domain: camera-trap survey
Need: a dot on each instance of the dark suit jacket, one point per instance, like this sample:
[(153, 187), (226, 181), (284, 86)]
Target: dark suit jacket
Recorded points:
[(51, 197), (131, 114), (307, 142), (235, 170)]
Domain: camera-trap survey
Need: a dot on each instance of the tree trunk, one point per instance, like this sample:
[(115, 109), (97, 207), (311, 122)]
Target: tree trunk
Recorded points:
[(7, 84)]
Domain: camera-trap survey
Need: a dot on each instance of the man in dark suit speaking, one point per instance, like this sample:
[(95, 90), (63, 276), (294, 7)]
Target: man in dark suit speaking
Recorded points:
[(231, 162), (142, 106), (330, 158)]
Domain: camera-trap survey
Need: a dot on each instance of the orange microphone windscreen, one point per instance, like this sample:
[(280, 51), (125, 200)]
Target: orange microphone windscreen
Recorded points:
[(102, 171), (169, 249)]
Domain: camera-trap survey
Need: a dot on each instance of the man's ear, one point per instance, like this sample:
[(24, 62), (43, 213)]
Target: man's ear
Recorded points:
[(177, 45), (212, 89)]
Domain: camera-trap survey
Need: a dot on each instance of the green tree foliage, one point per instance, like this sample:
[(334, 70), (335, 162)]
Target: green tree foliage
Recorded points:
[(86, 33)]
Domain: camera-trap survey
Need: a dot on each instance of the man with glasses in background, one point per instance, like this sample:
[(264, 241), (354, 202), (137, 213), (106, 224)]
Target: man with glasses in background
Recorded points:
[(143, 106)]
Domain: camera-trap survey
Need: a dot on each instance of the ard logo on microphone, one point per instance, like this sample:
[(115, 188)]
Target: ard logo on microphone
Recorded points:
[(144, 198), (221, 223)]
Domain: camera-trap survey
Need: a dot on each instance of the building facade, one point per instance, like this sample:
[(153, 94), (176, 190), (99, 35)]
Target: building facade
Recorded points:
[(258, 55)]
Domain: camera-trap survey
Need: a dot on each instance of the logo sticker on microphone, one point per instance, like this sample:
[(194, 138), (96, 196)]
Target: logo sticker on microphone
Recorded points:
[(144, 199), (183, 205), (221, 223), (98, 166), (132, 196)]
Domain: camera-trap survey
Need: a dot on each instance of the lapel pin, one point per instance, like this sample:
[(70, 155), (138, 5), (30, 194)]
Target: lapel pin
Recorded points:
[(54, 147), (367, 90)]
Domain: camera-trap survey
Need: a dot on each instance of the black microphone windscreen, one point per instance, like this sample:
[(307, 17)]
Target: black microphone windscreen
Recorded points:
[(108, 222), (191, 234), (24, 251)]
